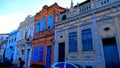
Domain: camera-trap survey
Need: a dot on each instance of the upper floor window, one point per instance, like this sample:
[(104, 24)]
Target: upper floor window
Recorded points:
[(2, 38), (87, 40), (73, 42), (43, 24), (50, 21), (38, 26)]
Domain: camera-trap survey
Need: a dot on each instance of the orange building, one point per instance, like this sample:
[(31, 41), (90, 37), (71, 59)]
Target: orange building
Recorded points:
[(43, 42)]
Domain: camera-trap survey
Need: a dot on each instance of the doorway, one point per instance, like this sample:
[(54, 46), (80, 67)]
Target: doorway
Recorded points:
[(28, 57), (48, 56), (111, 53), (61, 53)]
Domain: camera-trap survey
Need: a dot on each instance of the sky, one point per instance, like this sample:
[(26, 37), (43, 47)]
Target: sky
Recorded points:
[(12, 12)]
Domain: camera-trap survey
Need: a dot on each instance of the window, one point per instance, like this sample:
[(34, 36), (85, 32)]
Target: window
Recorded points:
[(38, 26), (43, 24), (40, 53), (50, 21), (14, 38), (73, 42), (64, 17), (35, 51), (87, 40), (26, 35), (2, 37)]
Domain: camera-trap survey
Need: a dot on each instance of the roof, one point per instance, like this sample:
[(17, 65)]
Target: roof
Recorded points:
[(5, 34)]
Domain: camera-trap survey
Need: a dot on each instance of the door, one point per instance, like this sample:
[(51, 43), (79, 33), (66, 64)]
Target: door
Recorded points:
[(111, 53), (61, 53), (48, 56), (28, 54)]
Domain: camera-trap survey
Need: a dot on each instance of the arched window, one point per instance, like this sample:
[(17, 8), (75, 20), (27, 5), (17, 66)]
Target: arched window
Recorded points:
[(50, 21), (43, 22), (38, 26)]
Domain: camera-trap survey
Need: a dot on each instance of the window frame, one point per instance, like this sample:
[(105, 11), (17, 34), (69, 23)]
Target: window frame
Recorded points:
[(89, 39), (50, 18), (36, 57), (38, 26), (43, 24), (75, 46), (40, 59)]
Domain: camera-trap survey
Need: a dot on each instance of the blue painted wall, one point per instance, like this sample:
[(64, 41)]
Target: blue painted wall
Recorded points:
[(11, 49)]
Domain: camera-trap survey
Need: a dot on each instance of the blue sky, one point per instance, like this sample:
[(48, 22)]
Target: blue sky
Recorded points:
[(12, 12)]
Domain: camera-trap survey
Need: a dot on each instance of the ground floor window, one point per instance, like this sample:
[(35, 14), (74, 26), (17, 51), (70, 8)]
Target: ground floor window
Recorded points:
[(38, 54)]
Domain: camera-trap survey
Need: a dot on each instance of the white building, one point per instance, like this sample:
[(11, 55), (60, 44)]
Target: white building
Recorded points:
[(24, 44), (88, 34)]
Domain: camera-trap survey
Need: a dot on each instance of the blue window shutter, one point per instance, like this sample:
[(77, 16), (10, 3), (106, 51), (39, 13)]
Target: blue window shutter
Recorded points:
[(43, 24), (38, 26), (87, 40), (73, 42), (50, 21), (35, 52), (40, 55)]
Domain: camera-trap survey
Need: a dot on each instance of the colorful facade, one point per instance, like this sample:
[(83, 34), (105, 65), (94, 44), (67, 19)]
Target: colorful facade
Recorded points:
[(43, 42), (11, 49), (88, 34), (25, 36)]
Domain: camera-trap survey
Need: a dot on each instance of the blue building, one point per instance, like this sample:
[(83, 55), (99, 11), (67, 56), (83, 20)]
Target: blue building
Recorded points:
[(3, 43), (11, 50)]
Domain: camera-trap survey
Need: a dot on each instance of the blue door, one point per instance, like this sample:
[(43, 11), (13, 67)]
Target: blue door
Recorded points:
[(111, 53), (48, 56)]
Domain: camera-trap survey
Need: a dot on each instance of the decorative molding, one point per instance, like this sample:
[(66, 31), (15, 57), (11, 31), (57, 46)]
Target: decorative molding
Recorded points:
[(88, 56), (107, 21), (73, 56)]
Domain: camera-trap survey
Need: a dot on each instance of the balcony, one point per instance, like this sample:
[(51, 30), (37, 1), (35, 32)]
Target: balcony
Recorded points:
[(85, 8), (28, 40)]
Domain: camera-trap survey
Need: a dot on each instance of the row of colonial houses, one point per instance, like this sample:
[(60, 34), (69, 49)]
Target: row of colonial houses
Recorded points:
[(86, 35), (18, 43)]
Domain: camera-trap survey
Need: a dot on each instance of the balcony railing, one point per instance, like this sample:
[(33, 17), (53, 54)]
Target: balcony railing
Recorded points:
[(23, 41), (83, 9)]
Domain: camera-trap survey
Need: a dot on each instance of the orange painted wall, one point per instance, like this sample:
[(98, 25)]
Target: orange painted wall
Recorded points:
[(45, 37)]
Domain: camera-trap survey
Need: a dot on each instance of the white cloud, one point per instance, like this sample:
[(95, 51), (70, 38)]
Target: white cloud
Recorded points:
[(10, 22)]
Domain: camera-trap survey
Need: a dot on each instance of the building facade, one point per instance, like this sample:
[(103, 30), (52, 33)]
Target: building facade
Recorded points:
[(43, 42), (3, 43), (11, 49), (88, 34), (25, 36)]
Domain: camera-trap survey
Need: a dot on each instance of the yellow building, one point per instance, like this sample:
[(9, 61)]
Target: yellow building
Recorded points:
[(88, 34)]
